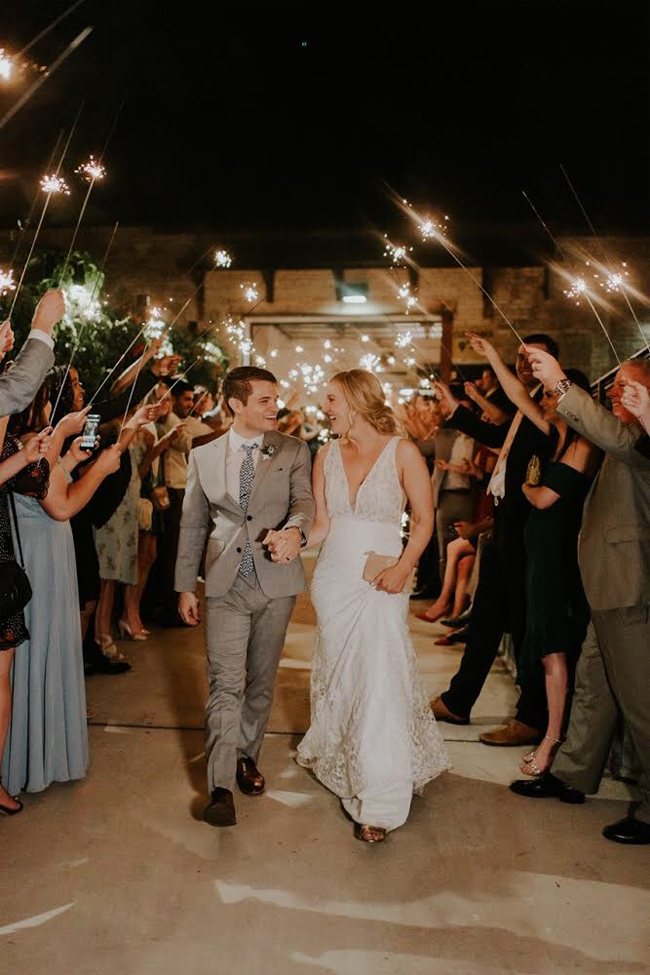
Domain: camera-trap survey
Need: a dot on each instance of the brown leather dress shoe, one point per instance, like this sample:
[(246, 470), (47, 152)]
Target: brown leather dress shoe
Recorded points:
[(442, 713), (513, 733), (249, 779), (220, 811)]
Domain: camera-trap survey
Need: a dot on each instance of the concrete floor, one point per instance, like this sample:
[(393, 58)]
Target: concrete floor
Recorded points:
[(118, 874)]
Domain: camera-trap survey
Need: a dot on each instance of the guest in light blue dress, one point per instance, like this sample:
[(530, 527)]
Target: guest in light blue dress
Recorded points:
[(48, 735)]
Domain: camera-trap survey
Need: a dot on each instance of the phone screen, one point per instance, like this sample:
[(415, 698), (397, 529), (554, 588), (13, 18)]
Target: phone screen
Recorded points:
[(89, 435)]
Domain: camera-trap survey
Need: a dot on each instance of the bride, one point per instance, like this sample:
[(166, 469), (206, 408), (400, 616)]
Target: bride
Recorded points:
[(373, 740)]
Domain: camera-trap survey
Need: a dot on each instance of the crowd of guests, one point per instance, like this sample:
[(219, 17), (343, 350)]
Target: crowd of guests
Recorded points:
[(542, 501)]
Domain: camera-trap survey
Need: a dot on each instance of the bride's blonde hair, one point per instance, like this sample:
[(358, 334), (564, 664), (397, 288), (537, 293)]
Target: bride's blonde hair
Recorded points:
[(365, 396)]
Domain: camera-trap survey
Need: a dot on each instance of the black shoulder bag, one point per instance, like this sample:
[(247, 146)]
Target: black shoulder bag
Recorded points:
[(15, 590)]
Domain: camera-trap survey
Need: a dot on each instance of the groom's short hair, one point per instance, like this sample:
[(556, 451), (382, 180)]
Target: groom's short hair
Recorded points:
[(237, 384)]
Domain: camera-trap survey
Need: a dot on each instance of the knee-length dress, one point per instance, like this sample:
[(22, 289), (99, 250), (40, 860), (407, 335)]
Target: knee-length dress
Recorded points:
[(117, 541), (557, 613)]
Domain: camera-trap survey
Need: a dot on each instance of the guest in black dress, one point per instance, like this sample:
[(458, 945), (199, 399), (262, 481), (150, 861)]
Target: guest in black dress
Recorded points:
[(556, 614)]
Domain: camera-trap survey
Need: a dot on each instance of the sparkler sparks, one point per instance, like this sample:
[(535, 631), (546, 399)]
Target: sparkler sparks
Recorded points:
[(398, 253), (371, 362), (404, 340), (7, 283), (6, 65), (92, 170), (222, 259), (430, 228), (578, 288), (250, 292), (53, 183)]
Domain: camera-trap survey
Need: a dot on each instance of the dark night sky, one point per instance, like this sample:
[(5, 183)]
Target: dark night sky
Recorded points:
[(290, 116)]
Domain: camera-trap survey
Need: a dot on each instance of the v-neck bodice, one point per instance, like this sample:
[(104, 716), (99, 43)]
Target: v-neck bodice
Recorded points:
[(379, 497)]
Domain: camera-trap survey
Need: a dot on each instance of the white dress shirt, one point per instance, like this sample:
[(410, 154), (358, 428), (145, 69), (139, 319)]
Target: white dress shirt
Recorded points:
[(235, 458), (38, 333), (462, 450)]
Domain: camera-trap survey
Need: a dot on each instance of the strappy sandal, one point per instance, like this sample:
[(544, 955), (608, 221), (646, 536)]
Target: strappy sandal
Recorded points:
[(364, 833), (8, 811), (529, 764)]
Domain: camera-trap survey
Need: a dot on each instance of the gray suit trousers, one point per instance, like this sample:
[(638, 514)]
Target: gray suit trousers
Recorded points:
[(245, 633), (612, 677)]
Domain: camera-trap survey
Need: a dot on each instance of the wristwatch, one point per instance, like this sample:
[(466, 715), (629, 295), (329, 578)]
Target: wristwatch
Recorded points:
[(562, 387)]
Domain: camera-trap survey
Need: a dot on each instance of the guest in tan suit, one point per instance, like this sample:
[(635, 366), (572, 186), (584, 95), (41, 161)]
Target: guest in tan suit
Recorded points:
[(613, 675)]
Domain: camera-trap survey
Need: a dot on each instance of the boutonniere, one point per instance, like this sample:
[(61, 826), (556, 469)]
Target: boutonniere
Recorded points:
[(268, 451)]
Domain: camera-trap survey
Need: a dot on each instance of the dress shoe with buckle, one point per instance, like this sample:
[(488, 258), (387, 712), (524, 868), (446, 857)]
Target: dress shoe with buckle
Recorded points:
[(220, 811), (249, 779), (547, 786), (511, 734), (442, 713), (629, 830)]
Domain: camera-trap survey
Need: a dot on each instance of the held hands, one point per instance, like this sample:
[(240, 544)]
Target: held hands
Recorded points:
[(188, 607), (391, 580), (283, 545), (636, 399), (471, 390), (545, 368), (49, 311)]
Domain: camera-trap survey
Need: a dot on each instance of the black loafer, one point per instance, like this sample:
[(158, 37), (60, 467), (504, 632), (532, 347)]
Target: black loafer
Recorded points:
[(457, 621), (220, 811), (547, 787), (630, 830)]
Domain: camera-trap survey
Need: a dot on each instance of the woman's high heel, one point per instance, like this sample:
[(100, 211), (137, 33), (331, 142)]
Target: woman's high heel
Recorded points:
[(529, 764), (109, 649), (128, 634), (8, 811)]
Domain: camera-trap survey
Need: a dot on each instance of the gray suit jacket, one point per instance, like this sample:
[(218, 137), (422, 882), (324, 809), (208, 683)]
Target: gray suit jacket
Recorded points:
[(19, 385), (281, 497), (614, 544), (444, 441)]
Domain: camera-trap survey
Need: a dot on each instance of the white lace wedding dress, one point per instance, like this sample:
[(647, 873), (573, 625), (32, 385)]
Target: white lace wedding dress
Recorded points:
[(373, 740)]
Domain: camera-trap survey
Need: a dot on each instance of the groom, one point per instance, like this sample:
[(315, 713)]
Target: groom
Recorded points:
[(252, 488)]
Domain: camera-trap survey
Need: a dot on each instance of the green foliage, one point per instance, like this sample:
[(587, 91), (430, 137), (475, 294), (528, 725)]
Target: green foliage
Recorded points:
[(101, 335)]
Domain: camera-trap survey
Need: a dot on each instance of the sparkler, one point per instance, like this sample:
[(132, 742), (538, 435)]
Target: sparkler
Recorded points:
[(49, 185), (6, 65), (91, 171), (90, 311), (615, 282), (54, 183), (440, 238), (46, 74), (398, 253), (432, 228), (578, 288), (6, 282), (222, 259), (250, 292)]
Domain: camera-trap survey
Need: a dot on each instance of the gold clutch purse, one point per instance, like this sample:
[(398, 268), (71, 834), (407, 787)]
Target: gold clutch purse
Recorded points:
[(376, 563), (534, 472)]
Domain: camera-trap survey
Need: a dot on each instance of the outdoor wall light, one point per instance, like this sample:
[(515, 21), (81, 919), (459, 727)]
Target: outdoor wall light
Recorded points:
[(352, 294)]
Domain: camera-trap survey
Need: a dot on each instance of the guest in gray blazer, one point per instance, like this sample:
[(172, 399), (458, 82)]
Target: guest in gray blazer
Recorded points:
[(613, 675), (19, 385)]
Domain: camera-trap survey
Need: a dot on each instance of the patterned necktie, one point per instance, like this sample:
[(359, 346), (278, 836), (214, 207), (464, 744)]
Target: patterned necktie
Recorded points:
[(246, 475)]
